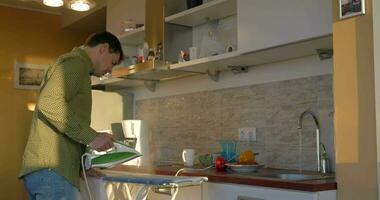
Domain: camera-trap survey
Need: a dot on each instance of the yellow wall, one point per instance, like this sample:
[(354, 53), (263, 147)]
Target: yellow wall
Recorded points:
[(29, 37), (355, 128)]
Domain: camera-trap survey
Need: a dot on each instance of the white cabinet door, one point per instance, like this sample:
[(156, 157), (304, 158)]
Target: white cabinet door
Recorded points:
[(120, 11), (210, 191), (185, 193), (216, 191), (269, 23)]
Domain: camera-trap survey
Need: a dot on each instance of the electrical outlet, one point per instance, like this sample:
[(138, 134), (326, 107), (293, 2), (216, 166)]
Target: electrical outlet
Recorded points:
[(247, 134), (253, 134), (244, 134)]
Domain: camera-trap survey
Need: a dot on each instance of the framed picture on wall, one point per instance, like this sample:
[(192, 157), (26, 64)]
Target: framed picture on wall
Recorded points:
[(350, 8), (28, 76)]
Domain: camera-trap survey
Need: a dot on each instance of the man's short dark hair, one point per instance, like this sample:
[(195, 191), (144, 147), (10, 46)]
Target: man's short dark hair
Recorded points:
[(105, 37)]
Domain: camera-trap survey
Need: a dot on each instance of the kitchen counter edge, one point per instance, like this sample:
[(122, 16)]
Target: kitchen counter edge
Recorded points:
[(234, 178)]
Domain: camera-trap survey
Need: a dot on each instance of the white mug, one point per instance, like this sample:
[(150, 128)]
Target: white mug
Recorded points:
[(193, 53), (188, 157)]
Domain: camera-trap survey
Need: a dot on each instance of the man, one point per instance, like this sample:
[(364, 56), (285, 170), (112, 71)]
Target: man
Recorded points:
[(61, 123)]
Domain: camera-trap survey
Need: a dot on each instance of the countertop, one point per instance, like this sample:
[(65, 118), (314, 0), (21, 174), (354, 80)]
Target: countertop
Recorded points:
[(242, 178)]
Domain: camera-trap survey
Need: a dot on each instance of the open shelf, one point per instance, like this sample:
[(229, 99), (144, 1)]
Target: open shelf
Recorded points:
[(116, 82), (149, 71), (133, 38), (260, 57), (202, 64), (216, 9), (123, 76)]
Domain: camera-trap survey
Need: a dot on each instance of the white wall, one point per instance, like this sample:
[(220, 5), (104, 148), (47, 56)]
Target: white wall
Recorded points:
[(287, 70), (109, 109), (106, 109), (291, 69)]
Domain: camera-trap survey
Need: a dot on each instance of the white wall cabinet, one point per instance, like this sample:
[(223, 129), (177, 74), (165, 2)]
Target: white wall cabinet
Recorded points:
[(271, 23), (261, 32), (120, 11), (119, 14), (209, 27), (267, 31)]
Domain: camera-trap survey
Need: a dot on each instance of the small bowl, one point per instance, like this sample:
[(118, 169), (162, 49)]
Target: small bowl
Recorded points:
[(244, 168)]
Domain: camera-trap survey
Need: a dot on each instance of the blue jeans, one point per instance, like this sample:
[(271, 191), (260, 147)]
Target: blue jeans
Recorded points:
[(45, 184)]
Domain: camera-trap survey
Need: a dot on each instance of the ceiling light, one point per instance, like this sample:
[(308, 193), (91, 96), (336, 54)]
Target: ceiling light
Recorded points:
[(53, 3), (81, 5)]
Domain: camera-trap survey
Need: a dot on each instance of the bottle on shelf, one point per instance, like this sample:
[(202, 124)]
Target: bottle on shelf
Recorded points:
[(151, 55)]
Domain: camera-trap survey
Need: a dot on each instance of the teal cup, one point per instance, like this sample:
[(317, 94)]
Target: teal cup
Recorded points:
[(228, 150)]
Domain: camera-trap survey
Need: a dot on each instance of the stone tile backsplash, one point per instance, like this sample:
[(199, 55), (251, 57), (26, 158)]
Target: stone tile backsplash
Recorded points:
[(199, 120)]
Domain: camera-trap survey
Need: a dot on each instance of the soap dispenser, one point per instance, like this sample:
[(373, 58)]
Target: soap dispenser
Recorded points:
[(325, 161)]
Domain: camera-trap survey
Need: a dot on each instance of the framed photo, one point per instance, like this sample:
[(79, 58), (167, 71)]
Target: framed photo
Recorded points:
[(350, 8), (28, 76)]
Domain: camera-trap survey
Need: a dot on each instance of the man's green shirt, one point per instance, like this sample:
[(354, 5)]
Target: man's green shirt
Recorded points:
[(61, 123)]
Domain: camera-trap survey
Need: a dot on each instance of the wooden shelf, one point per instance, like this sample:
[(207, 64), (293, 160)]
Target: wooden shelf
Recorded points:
[(260, 57), (216, 9), (116, 82), (133, 38), (149, 71)]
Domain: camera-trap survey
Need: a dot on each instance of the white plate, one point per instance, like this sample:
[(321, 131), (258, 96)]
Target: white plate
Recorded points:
[(243, 168)]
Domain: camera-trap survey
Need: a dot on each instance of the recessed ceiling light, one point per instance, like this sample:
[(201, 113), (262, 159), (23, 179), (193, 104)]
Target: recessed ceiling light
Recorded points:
[(53, 3), (81, 5)]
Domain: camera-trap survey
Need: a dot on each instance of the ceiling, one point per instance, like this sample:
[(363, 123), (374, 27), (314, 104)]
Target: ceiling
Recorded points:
[(32, 5), (91, 21), (94, 22)]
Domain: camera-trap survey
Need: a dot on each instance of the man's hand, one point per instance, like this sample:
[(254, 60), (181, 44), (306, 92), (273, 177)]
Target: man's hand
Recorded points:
[(102, 142), (92, 172)]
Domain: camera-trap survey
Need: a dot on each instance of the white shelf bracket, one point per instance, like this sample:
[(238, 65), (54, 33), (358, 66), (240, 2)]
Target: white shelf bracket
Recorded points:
[(151, 85), (213, 74)]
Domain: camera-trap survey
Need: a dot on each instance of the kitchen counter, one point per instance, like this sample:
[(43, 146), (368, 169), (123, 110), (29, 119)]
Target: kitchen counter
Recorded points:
[(253, 179)]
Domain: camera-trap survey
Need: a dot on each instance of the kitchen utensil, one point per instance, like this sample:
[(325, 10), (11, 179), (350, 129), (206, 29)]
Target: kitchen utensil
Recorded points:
[(244, 168)]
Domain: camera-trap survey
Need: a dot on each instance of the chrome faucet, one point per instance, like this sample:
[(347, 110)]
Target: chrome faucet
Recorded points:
[(300, 119)]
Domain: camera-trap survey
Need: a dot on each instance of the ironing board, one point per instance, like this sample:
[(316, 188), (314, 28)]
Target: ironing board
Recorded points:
[(149, 180)]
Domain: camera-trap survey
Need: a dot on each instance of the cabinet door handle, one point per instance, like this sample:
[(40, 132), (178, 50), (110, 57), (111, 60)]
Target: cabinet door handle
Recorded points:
[(248, 198)]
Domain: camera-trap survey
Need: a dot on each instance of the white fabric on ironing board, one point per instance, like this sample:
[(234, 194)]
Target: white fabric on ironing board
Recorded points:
[(127, 185)]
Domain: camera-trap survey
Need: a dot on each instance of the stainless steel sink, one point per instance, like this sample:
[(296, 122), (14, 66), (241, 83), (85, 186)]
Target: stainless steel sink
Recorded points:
[(296, 177)]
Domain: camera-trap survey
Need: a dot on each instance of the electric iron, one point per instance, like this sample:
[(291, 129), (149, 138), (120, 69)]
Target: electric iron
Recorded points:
[(119, 154)]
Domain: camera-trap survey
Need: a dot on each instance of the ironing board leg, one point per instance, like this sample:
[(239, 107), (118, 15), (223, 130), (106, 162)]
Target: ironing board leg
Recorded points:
[(174, 195), (201, 191), (142, 193)]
